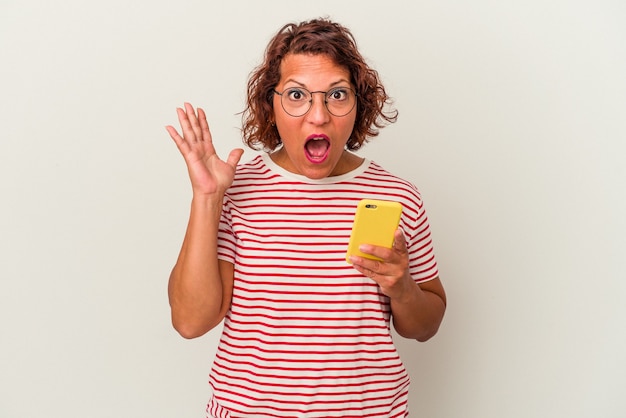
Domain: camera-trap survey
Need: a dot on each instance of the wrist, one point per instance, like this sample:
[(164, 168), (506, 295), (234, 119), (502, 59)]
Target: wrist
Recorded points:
[(207, 206), (207, 199), (409, 293)]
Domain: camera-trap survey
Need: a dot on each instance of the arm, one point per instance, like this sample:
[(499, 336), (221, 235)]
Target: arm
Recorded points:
[(417, 309), (419, 314), (200, 286)]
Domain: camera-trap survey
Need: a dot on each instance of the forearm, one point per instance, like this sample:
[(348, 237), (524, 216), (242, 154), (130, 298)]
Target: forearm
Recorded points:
[(418, 314), (196, 287)]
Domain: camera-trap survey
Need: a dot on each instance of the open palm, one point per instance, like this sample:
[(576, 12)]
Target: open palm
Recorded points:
[(208, 173)]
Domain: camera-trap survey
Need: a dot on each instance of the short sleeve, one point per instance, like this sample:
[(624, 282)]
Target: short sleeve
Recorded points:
[(422, 262)]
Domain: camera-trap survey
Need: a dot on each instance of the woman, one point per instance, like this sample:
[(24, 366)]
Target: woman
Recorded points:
[(305, 333)]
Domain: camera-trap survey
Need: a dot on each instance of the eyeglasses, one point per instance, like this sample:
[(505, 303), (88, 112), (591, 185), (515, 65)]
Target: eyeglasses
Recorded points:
[(297, 101)]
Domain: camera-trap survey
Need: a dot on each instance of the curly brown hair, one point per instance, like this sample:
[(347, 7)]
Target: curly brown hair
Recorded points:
[(317, 37)]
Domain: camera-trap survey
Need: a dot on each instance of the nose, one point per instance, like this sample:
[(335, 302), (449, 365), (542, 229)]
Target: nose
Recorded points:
[(318, 113)]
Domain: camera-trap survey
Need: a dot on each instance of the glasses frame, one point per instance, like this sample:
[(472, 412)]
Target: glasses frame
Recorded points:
[(325, 93)]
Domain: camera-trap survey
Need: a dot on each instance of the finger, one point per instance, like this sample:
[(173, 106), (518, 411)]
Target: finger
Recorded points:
[(182, 145), (193, 121), (366, 265), (234, 157), (399, 242), (375, 276), (382, 253), (204, 126), (173, 132), (185, 125), (374, 266), (359, 263)]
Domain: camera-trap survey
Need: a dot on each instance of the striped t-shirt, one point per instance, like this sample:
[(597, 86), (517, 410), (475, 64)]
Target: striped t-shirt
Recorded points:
[(307, 335)]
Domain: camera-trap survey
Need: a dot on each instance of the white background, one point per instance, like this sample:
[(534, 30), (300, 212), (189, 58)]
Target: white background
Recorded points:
[(512, 123)]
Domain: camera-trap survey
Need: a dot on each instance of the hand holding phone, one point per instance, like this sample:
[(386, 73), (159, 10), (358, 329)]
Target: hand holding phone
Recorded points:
[(375, 223)]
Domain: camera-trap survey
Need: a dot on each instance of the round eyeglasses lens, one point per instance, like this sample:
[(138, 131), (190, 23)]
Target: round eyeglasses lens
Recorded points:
[(340, 101)]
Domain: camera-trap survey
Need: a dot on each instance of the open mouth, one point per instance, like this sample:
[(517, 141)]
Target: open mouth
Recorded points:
[(316, 148)]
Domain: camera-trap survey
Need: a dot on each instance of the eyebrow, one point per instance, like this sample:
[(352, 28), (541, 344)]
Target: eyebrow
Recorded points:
[(334, 84)]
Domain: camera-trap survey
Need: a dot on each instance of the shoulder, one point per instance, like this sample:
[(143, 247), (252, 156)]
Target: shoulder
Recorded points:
[(386, 179), (253, 170)]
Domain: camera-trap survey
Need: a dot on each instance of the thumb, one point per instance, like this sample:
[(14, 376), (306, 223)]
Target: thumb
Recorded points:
[(399, 242), (234, 157)]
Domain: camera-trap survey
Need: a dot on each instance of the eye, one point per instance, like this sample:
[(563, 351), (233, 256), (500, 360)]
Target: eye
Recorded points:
[(296, 95), (339, 94)]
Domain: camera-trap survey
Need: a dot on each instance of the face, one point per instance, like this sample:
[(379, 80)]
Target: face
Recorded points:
[(313, 144)]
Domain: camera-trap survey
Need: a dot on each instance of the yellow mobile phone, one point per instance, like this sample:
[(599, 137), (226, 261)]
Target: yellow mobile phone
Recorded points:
[(375, 222)]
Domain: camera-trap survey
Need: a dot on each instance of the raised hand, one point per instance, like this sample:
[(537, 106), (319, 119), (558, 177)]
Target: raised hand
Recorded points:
[(207, 172)]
